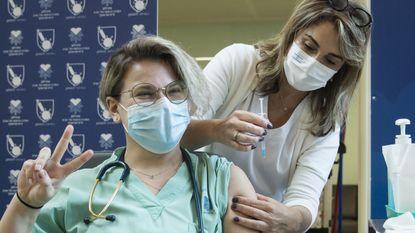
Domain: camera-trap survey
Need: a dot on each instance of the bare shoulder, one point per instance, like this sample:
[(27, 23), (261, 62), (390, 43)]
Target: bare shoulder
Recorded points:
[(239, 184)]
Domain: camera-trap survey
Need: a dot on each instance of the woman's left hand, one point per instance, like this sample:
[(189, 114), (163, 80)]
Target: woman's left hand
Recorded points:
[(267, 215)]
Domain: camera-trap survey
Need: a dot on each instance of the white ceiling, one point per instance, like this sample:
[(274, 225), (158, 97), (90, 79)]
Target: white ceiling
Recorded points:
[(223, 11)]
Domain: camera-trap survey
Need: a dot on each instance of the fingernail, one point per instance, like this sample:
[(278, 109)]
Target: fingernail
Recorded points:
[(236, 219), (253, 147), (233, 206), (269, 126), (265, 132), (37, 167), (235, 200), (261, 139)]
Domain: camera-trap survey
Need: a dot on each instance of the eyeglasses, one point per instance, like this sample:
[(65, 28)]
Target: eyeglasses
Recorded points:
[(360, 17), (145, 94)]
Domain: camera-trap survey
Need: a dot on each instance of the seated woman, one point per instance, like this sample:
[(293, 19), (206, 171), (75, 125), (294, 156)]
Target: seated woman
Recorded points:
[(146, 86)]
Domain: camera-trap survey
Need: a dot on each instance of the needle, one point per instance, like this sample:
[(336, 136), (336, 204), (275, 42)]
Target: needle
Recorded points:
[(261, 104)]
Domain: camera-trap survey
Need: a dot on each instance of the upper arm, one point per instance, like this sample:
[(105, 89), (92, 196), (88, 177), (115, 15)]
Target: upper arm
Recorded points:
[(239, 185)]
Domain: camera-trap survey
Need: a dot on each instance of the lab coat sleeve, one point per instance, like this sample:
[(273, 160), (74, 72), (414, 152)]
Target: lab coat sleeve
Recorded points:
[(214, 176), (219, 74), (223, 176), (311, 172), (231, 77)]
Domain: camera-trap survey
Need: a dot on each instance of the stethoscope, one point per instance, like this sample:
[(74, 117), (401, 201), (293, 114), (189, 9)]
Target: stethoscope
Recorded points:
[(126, 171)]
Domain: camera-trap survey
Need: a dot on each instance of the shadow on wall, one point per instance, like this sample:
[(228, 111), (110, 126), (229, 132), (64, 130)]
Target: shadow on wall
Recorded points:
[(350, 209)]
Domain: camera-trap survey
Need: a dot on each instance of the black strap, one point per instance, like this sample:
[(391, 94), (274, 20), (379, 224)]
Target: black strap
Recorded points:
[(26, 204)]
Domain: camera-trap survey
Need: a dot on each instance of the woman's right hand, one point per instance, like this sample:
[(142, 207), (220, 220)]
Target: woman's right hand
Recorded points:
[(39, 179), (241, 130)]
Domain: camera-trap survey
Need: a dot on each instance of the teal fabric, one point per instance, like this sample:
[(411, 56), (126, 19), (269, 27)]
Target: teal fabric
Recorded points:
[(136, 208)]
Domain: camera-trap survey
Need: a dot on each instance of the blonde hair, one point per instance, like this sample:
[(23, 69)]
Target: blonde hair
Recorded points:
[(155, 48), (329, 105)]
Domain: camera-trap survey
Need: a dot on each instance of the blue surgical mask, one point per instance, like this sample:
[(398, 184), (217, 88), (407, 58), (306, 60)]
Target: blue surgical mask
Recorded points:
[(159, 127)]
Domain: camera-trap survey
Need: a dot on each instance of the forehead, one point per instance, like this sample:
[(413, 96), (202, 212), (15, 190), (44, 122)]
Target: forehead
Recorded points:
[(148, 71), (325, 34)]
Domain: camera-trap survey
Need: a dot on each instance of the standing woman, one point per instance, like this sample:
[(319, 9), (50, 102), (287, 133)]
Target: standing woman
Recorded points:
[(306, 76)]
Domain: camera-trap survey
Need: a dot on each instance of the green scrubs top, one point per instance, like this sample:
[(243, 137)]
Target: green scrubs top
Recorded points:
[(136, 208)]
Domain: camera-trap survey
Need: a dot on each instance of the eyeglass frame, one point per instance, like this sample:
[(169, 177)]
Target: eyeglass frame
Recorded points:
[(332, 5), (158, 89)]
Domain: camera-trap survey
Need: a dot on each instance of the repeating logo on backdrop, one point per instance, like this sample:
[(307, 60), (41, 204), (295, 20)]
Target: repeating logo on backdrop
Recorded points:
[(45, 140), (107, 3), (45, 4), (138, 30), (138, 5), (16, 8), (13, 174), (75, 73), (76, 144), (15, 107), (45, 71), (103, 113), (45, 109), (107, 35), (15, 75), (45, 39), (106, 141), (76, 34), (16, 37), (15, 145), (76, 7), (75, 105)]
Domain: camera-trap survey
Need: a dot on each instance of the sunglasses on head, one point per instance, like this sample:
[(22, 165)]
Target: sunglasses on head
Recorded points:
[(360, 17)]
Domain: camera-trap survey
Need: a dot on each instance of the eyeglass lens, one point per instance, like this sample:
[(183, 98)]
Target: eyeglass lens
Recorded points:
[(359, 16), (146, 94)]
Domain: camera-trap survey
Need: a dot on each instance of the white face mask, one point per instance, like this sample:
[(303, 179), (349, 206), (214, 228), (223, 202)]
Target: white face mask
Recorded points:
[(304, 72)]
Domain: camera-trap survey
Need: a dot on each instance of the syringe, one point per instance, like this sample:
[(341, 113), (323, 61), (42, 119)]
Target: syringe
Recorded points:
[(262, 114)]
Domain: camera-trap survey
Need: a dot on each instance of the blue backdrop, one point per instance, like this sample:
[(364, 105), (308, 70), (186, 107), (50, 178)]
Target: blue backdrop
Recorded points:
[(393, 86), (52, 56)]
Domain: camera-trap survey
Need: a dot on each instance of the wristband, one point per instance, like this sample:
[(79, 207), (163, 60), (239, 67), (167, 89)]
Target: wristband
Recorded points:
[(26, 204)]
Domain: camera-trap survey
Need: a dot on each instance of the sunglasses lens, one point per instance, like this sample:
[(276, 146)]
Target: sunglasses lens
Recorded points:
[(339, 4), (360, 17)]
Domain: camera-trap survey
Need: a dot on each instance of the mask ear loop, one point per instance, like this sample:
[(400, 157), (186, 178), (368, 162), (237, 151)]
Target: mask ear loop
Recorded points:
[(118, 118), (125, 128)]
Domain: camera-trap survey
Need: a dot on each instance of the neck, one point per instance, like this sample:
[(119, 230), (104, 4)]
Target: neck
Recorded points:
[(139, 158), (289, 93)]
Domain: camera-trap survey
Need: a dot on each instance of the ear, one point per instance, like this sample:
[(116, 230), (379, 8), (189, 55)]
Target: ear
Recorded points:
[(112, 105)]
